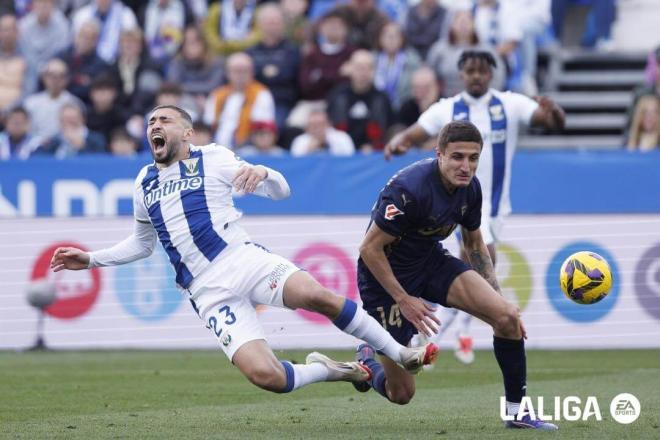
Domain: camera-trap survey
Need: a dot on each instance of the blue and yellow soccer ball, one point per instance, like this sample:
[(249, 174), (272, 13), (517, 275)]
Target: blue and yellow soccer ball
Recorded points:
[(585, 277)]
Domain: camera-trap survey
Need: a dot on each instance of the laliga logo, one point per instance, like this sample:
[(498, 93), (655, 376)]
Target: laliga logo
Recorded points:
[(332, 267), (624, 408)]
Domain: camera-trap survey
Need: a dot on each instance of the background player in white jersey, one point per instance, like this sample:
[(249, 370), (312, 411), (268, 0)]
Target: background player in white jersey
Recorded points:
[(185, 200), (497, 115)]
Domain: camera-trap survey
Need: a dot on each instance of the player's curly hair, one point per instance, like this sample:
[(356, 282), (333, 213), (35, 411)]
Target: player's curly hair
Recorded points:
[(459, 131), (482, 55)]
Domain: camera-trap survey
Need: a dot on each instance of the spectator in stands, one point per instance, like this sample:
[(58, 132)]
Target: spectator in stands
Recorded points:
[(364, 22), (645, 128), (498, 24), (122, 144), (13, 65), (74, 138), (360, 109), (104, 115), (44, 105), (598, 26), (202, 134), (231, 109), (84, 64), (229, 27), (262, 141), (43, 33), (164, 22), (16, 141), (114, 17), (425, 24), (651, 87), (394, 65), (139, 76), (321, 137), (296, 25), (276, 61), (195, 69), (323, 67), (425, 92), (535, 19), (444, 54)]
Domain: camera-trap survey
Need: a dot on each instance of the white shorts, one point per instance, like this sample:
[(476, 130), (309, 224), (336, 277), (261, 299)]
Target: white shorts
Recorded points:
[(226, 293), (491, 229)]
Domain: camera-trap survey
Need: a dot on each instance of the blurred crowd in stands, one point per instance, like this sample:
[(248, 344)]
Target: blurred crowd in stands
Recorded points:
[(277, 77)]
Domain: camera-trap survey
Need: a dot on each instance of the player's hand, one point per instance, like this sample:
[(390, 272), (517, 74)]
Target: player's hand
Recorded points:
[(248, 177), (420, 314), (396, 146), (69, 258)]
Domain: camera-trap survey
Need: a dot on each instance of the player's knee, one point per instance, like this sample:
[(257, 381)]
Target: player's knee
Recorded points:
[(508, 323), (401, 396), (266, 377)]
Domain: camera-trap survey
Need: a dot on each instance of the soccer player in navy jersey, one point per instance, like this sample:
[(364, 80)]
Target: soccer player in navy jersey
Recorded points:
[(498, 116), (403, 266), (184, 199)]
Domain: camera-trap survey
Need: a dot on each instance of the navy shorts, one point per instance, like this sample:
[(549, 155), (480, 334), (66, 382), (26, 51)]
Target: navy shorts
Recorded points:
[(432, 285)]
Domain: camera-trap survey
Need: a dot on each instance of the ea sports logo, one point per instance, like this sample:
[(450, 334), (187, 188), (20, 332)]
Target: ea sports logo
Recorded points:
[(625, 408), (77, 291), (332, 267)]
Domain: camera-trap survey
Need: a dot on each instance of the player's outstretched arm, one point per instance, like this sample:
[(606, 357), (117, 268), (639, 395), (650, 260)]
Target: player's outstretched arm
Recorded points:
[(548, 114), (418, 312), (401, 142), (138, 245), (69, 258), (248, 179)]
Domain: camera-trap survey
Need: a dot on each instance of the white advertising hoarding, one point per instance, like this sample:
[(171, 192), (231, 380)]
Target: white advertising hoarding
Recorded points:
[(137, 306)]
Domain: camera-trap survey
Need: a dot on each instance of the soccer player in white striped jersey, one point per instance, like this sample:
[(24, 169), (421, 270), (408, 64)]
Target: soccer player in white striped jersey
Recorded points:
[(184, 199), (497, 115)]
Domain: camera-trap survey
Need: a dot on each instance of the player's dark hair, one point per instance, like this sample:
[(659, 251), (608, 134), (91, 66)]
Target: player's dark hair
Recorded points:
[(184, 114), (482, 55), (459, 131)]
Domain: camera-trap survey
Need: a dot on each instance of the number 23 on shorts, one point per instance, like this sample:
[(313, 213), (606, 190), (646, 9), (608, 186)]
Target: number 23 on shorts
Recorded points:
[(225, 315)]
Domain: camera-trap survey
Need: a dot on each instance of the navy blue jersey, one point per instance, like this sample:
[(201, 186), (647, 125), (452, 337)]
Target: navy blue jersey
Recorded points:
[(415, 207)]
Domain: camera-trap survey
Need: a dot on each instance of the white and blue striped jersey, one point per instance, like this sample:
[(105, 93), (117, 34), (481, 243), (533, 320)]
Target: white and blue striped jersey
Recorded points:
[(190, 206), (497, 115)]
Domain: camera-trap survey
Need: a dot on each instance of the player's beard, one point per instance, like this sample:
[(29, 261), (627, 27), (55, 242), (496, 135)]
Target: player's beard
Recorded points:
[(171, 148)]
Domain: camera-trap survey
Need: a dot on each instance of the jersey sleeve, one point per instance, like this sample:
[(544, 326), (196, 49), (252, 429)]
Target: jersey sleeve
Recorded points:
[(396, 210), (435, 117), (222, 163), (523, 106), (140, 212), (472, 217)]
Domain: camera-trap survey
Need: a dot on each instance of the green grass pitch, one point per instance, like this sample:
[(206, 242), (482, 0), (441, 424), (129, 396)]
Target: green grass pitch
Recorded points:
[(199, 395)]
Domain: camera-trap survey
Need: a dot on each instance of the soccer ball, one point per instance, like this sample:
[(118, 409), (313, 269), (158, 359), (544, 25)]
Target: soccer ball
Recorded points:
[(585, 277)]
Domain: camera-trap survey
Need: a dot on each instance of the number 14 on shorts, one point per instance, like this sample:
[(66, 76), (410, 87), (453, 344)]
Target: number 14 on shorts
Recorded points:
[(394, 318), (224, 313)]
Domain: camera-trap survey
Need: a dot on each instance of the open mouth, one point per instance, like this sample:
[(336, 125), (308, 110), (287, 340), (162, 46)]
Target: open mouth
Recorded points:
[(158, 140)]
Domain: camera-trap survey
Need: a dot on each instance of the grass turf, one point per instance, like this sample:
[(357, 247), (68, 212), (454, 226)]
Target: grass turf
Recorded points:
[(198, 394)]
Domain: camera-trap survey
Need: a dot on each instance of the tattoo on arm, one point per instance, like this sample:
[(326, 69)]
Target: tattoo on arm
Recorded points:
[(484, 267)]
